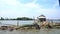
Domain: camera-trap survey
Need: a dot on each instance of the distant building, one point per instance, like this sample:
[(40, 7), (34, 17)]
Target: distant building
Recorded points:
[(41, 18)]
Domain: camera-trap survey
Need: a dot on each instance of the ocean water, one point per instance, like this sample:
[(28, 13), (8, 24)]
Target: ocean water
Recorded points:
[(14, 22), (21, 22)]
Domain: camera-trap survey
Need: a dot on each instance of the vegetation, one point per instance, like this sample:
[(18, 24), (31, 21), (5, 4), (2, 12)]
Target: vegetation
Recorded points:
[(19, 18), (2, 18), (24, 18)]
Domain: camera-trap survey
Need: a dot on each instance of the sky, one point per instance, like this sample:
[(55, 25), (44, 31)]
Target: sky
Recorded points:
[(29, 8)]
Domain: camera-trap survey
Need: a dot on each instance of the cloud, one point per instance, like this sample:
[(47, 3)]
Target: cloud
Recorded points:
[(8, 2), (15, 8), (56, 4)]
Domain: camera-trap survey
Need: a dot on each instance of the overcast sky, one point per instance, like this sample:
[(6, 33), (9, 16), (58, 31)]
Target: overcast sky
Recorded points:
[(29, 8)]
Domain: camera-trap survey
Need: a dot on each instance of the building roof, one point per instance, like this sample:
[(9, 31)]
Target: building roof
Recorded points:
[(41, 16)]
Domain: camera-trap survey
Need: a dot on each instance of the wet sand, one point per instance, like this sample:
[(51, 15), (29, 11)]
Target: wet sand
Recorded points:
[(41, 31)]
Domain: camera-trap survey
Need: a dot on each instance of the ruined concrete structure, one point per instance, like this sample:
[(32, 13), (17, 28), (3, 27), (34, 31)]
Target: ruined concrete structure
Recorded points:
[(41, 18)]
